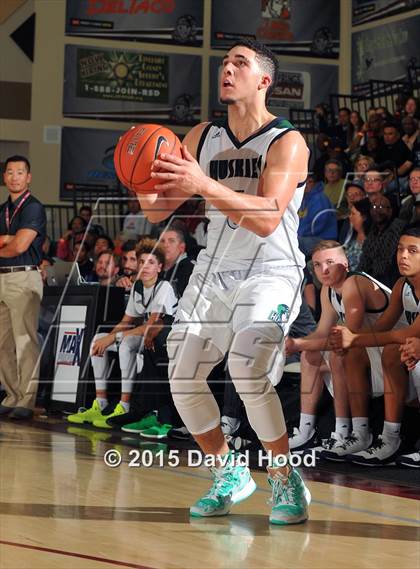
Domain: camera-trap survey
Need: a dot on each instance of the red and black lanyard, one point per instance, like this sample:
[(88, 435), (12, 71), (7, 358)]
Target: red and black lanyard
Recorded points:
[(9, 220)]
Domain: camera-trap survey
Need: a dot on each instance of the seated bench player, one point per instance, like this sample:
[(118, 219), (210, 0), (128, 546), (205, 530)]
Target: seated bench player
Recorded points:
[(152, 300), (400, 382), (359, 300)]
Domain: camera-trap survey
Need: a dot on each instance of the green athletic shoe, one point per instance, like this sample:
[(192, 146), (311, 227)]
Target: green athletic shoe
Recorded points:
[(232, 484), (86, 415), (101, 423), (290, 499), (156, 432), (142, 425)]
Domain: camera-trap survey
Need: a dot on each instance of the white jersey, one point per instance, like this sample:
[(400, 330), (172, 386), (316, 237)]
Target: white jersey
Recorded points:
[(410, 302), (159, 298), (239, 166), (371, 315)]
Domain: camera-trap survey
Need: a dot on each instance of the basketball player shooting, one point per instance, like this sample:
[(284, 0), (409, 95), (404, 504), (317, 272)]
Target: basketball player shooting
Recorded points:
[(244, 292)]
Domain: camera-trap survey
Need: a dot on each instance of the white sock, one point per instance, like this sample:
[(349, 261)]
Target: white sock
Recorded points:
[(126, 405), (103, 402), (307, 423), (361, 426), (342, 426), (391, 430)]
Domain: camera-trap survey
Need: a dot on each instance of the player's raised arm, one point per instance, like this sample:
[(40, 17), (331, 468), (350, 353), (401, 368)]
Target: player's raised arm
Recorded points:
[(159, 206)]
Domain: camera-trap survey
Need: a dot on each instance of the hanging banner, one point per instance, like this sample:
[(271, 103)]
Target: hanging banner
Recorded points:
[(131, 86), (158, 21), (370, 10), (300, 86), (384, 52), (87, 161), (294, 27)]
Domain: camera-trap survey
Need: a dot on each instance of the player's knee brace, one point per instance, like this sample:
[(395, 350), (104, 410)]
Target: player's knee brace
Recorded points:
[(190, 363), (250, 361)]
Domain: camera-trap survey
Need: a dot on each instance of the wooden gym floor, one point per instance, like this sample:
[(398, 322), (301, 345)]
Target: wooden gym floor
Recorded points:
[(62, 507)]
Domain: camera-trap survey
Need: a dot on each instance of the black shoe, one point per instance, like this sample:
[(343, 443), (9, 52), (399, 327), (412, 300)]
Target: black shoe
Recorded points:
[(5, 410), (125, 419), (180, 433), (21, 413)]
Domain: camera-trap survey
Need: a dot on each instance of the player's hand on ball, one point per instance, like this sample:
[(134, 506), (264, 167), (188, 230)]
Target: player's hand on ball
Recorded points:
[(182, 174)]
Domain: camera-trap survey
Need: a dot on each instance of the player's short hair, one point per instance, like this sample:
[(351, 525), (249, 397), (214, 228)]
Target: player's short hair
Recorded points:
[(327, 244), (412, 230), (17, 158), (151, 247), (266, 60)]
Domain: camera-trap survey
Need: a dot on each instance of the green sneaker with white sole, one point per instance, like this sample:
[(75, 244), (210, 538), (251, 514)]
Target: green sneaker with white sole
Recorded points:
[(290, 499), (232, 484)]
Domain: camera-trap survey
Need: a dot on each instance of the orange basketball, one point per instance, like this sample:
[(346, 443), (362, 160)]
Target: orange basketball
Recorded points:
[(137, 149)]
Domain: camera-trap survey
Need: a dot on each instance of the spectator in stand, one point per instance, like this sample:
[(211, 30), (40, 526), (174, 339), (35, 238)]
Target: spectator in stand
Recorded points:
[(106, 269), (412, 108), (321, 118), (353, 192), (411, 130), (360, 223), (384, 114), (334, 182), (344, 129), (128, 273), (409, 205), (394, 150), (102, 243), (74, 234), (135, 221), (379, 249), (323, 144), (338, 152), (43, 266), (81, 255), (177, 268), (361, 165), (46, 246), (85, 213), (373, 182), (317, 216), (371, 146), (374, 126), (358, 134)]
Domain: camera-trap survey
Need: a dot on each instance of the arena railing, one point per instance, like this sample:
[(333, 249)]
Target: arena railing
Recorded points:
[(361, 103), (307, 122), (385, 93)]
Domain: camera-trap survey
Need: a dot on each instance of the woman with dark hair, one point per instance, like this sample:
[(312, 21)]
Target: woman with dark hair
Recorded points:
[(360, 222), (74, 234), (357, 135)]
